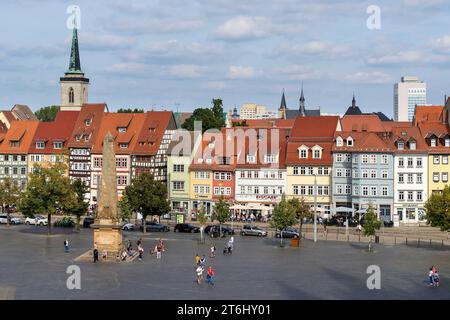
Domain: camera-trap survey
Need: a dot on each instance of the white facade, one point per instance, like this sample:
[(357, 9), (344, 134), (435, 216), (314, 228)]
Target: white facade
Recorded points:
[(408, 93), (251, 111), (260, 186), (410, 187)]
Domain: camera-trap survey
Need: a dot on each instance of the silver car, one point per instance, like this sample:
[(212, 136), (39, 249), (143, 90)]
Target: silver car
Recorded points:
[(250, 230)]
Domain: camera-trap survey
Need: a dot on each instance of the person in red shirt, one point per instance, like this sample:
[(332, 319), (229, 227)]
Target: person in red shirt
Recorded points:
[(210, 276)]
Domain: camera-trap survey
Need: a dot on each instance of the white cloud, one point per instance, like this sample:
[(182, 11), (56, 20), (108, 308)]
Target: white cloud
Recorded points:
[(91, 41), (157, 25), (407, 57), (240, 72), (374, 77), (313, 48), (243, 28), (186, 71), (441, 43), (215, 85), (129, 68)]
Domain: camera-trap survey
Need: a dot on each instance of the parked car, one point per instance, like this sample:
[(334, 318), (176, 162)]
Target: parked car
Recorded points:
[(87, 222), (37, 220), (288, 232), (3, 219), (214, 229), (154, 227), (251, 230), (128, 227), (186, 227)]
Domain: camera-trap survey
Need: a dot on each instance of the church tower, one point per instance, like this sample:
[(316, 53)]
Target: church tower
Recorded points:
[(74, 86), (283, 107), (302, 108)]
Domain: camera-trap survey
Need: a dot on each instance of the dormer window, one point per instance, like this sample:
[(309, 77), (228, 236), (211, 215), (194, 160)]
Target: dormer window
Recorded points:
[(122, 129), (412, 145), (200, 160), (270, 158), (447, 142), (40, 145), (86, 138), (123, 145), (152, 129), (251, 159), (87, 122), (14, 144), (401, 145), (209, 161), (339, 142), (349, 142), (303, 152), (57, 145), (77, 138), (317, 154), (433, 142)]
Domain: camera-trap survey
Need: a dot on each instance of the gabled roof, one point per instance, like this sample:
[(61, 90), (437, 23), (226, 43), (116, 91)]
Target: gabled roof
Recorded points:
[(408, 134), (152, 132), (22, 131), (292, 114), (320, 128), (428, 114), (366, 142), (23, 112), (94, 112), (9, 116), (59, 130), (292, 156), (110, 123)]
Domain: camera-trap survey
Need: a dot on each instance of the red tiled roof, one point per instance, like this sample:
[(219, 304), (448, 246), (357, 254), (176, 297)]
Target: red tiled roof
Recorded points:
[(293, 155), (365, 142), (266, 123), (57, 131), (95, 113), (407, 134), (110, 123), (314, 128), (151, 134), (440, 130), (8, 115), (22, 131), (428, 114)]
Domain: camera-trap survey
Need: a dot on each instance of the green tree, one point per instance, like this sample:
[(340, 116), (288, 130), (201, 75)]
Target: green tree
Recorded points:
[(202, 218), (370, 224), (437, 210), (47, 192), (210, 118), (47, 114), (130, 110), (9, 196), (125, 209), (302, 211), (240, 124), (77, 206), (221, 213), (283, 216), (147, 196)]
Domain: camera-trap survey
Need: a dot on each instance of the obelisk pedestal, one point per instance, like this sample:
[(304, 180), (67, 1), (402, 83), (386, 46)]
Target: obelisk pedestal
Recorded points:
[(107, 226)]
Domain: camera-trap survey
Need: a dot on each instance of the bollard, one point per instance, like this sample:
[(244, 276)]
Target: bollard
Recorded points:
[(395, 240), (406, 241), (348, 238), (430, 242), (418, 242), (442, 243)]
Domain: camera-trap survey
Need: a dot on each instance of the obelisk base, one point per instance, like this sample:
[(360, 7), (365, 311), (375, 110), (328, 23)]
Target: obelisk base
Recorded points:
[(108, 236)]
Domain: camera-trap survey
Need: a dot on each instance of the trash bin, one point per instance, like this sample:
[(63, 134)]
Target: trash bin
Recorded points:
[(377, 239), (295, 242)]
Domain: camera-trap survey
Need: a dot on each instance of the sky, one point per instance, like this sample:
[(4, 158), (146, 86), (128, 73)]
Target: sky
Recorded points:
[(180, 54)]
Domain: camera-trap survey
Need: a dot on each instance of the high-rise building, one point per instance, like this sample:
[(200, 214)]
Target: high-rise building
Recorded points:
[(255, 111), (408, 93)]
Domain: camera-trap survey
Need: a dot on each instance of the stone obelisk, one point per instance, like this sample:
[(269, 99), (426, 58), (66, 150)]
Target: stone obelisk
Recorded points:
[(107, 226)]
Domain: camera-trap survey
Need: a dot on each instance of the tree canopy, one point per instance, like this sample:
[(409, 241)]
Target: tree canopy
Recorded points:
[(438, 209), (77, 206), (370, 223), (302, 210), (47, 114), (9, 195), (147, 196), (283, 215), (130, 110), (211, 118)]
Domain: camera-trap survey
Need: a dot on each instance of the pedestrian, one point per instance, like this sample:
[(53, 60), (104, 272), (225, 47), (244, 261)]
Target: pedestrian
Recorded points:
[(199, 272), (430, 276), (95, 253), (197, 259), (159, 249), (232, 242), (436, 278), (139, 242), (210, 276), (213, 251), (66, 246), (203, 261), (129, 247), (141, 251)]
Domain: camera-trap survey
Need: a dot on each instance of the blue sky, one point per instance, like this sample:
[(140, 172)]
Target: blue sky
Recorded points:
[(179, 54)]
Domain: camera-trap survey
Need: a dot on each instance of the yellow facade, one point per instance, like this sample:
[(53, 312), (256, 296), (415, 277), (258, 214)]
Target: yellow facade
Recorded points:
[(201, 179), (307, 180), (438, 169), (45, 160)]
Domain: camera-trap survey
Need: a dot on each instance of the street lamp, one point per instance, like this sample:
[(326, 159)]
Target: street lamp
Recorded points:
[(315, 207)]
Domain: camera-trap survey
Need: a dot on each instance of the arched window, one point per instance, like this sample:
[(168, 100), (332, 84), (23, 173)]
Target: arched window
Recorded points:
[(71, 96)]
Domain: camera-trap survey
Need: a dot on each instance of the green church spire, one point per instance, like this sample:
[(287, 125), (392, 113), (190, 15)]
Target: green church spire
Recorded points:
[(74, 64)]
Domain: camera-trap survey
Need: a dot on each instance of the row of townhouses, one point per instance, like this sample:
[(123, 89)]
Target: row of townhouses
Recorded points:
[(336, 164), (76, 138)]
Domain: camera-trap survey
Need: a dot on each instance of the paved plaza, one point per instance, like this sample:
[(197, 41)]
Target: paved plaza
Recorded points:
[(33, 266)]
